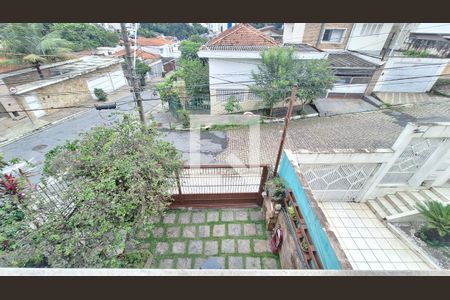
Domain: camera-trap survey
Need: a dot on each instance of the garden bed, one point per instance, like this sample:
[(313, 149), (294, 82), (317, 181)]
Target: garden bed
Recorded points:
[(439, 254)]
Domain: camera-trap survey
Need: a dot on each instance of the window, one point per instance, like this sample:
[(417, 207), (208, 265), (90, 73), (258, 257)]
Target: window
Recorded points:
[(371, 29), (333, 35), (224, 95)]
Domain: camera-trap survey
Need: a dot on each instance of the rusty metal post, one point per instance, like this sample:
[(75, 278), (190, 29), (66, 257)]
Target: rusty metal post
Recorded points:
[(264, 175), (178, 183), (286, 123)]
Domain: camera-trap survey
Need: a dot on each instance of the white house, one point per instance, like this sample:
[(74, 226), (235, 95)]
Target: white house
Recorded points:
[(159, 45), (233, 55)]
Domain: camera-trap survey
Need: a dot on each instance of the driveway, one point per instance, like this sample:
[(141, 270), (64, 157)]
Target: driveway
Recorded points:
[(331, 107)]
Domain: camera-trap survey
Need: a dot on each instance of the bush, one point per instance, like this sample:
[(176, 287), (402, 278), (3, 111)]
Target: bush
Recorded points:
[(185, 118), (100, 94), (232, 105), (415, 53), (437, 217)]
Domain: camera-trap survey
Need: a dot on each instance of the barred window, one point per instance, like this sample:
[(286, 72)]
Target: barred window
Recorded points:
[(224, 95), (253, 96)]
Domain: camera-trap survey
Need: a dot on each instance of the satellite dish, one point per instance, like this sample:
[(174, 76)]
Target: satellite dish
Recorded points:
[(12, 90)]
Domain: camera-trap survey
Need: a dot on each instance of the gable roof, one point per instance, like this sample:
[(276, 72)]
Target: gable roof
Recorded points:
[(139, 53), (239, 37), (158, 41)]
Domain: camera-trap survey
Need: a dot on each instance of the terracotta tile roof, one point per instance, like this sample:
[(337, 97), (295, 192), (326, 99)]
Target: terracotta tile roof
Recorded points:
[(240, 35), (139, 53), (159, 41)]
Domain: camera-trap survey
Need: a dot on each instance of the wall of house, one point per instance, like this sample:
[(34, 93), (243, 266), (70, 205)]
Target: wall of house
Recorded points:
[(313, 34), (363, 41), (410, 74), (439, 28), (68, 92), (293, 33)]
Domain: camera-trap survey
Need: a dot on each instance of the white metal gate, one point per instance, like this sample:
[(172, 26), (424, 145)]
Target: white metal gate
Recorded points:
[(411, 160)]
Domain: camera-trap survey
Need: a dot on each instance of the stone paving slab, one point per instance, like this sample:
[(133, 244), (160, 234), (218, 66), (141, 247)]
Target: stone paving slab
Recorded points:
[(185, 239)]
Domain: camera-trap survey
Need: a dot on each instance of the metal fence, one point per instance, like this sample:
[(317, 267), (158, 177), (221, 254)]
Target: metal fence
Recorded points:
[(220, 185)]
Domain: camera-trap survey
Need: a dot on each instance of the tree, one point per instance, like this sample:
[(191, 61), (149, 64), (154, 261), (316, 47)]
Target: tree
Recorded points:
[(280, 70), (117, 178), (85, 35), (144, 32), (25, 43), (179, 30), (141, 69), (195, 74)]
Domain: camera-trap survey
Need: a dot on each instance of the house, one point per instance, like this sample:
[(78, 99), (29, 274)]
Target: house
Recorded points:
[(273, 32), (325, 36), (232, 56), (65, 83), (154, 61), (159, 45)]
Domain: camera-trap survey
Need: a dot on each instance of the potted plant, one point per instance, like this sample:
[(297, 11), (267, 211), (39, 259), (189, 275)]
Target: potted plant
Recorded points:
[(275, 189), (292, 214), (305, 246)]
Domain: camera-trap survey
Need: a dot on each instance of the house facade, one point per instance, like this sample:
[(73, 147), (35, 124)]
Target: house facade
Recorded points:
[(64, 84), (325, 36), (154, 61), (233, 55)]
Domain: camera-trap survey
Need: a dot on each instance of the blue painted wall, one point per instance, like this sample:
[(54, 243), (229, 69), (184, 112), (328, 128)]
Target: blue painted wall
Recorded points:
[(318, 235)]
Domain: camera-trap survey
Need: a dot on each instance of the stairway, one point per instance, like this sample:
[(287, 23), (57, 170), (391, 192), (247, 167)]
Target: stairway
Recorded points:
[(404, 203)]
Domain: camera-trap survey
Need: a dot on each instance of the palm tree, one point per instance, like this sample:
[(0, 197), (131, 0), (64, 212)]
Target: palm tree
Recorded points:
[(437, 216), (26, 43)]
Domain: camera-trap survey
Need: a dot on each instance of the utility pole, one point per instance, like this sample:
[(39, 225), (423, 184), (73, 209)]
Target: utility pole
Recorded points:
[(132, 74), (286, 123)]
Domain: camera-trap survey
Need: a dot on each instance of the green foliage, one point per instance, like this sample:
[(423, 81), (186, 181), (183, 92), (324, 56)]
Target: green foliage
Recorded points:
[(118, 177), (185, 118), (11, 222), (3, 163), (189, 49), (144, 32), (166, 89), (141, 69), (415, 53), (195, 75), (85, 35), (232, 105), (279, 72), (292, 212), (100, 94), (179, 30), (437, 217), (276, 188)]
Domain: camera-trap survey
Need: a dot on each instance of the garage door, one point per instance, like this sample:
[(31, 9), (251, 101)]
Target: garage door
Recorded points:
[(35, 105)]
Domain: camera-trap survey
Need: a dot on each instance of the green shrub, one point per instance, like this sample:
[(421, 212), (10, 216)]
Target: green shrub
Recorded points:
[(185, 118), (100, 94), (232, 105), (437, 217), (415, 53)]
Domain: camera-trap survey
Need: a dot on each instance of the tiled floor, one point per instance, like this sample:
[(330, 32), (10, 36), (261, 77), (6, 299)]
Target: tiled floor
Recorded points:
[(367, 242), (236, 238)]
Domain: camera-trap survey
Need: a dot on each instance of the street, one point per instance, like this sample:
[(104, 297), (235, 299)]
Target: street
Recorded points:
[(34, 147)]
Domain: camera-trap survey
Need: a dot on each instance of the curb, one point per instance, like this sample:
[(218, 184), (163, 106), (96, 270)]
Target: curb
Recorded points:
[(39, 129)]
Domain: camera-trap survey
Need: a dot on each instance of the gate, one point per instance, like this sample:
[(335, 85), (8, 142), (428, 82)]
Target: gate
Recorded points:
[(220, 186)]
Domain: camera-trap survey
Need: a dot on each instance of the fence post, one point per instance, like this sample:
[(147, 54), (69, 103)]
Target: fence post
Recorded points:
[(178, 182), (264, 175)]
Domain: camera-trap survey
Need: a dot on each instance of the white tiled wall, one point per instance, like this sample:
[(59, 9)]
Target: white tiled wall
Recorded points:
[(367, 242)]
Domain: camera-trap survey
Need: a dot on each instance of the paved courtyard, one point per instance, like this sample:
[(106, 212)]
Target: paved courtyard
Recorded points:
[(185, 239)]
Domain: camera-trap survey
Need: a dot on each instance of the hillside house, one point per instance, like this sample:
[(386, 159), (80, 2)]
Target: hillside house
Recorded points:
[(232, 56)]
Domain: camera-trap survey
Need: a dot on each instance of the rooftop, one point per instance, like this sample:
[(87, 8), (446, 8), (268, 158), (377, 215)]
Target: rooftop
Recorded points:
[(64, 71), (158, 41), (243, 37), (348, 60), (139, 53)]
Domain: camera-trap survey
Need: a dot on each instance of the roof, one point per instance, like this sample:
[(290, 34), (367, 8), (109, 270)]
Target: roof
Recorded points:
[(158, 41), (272, 29), (348, 60), (243, 37), (139, 53), (303, 47), (65, 70)]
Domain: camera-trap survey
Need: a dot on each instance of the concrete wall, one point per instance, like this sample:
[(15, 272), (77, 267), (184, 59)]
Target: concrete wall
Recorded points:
[(323, 238), (364, 42), (293, 33), (397, 73), (68, 92)]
